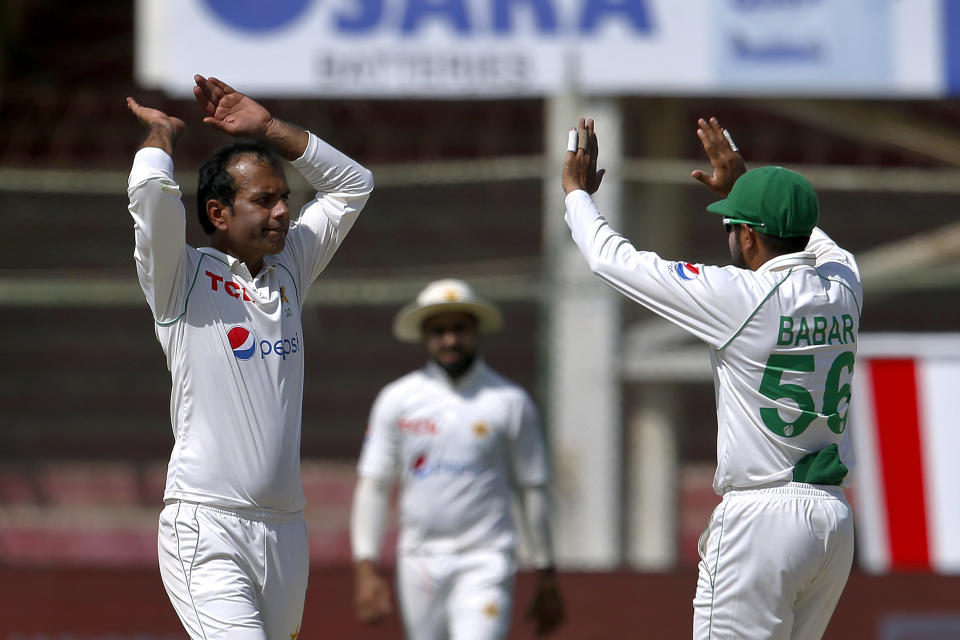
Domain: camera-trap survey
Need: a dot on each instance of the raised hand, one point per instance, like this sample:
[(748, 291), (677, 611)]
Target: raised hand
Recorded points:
[(580, 166), (229, 110), (239, 115), (727, 163), (164, 130)]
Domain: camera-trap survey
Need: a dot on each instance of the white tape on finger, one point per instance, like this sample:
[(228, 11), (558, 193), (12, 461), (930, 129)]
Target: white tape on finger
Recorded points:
[(733, 145), (572, 140)]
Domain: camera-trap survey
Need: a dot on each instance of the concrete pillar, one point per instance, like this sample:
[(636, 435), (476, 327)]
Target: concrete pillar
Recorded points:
[(582, 338)]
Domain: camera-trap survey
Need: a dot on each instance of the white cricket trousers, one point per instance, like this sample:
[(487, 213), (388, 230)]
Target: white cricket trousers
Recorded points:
[(466, 596), (773, 562), (234, 573)]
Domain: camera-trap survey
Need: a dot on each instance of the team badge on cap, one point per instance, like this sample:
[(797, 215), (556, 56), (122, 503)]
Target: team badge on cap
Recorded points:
[(686, 270), (243, 342)]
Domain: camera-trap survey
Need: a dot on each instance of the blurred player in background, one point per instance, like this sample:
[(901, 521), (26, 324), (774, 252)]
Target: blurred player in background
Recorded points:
[(781, 324), (232, 538), (464, 442)]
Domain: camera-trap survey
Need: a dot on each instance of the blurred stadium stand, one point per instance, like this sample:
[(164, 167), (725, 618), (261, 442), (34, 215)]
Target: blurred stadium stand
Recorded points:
[(84, 423)]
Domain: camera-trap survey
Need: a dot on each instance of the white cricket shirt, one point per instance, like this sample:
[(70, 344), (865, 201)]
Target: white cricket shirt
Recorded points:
[(458, 449), (234, 343), (782, 341)]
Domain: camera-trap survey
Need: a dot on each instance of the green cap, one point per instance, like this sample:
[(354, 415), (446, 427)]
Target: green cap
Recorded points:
[(776, 201)]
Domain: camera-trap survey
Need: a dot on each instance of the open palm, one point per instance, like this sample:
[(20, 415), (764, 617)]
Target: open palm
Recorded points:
[(727, 163), (229, 110)]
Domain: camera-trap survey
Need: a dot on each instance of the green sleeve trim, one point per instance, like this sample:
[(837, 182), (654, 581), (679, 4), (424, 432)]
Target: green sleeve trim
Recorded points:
[(847, 287), (294, 280), (821, 467), (196, 273), (754, 312)]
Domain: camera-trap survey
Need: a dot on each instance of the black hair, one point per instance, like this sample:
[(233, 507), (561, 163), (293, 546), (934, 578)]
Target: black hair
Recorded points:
[(214, 181), (780, 246)]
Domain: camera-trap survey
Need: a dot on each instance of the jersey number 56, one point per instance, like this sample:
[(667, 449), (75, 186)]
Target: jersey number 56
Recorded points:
[(833, 393)]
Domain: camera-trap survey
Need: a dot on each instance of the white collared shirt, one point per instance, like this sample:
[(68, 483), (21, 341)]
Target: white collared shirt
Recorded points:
[(459, 449), (234, 342), (779, 336)]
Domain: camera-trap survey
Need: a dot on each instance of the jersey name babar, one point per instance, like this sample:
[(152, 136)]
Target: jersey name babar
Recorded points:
[(796, 332)]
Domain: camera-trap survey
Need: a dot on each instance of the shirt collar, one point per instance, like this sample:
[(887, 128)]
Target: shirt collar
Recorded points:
[(788, 261), (470, 376), (238, 267)]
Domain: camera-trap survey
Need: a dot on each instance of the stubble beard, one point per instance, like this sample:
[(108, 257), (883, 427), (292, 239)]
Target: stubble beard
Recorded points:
[(458, 367), (736, 255)]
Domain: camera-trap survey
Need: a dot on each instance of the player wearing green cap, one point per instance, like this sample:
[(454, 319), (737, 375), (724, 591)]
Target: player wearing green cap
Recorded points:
[(781, 324)]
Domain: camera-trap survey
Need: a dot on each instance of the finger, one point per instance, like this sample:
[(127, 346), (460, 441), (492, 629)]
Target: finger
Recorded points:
[(729, 138), (706, 138), (212, 93), (572, 140), (204, 95), (592, 146), (713, 130), (716, 130), (221, 87), (581, 135), (701, 177), (204, 100), (203, 84), (215, 123), (132, 104), (600, 175), (709, 136)]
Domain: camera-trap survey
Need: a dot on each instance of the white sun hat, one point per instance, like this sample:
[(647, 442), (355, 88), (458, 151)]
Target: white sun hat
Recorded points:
[(442, 296)]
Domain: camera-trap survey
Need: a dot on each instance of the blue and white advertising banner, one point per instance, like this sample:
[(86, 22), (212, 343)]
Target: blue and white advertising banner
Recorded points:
[(498, 48)]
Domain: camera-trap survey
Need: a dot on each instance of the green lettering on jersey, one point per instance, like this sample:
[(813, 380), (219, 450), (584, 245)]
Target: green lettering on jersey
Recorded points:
[(773, 387), (836, 396), (848, 329), (834, 331), (785, 337), (803, 333), (819, 329)]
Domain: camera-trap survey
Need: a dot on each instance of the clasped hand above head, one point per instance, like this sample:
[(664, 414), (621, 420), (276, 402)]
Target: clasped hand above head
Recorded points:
[(227, 110), (163, 130)]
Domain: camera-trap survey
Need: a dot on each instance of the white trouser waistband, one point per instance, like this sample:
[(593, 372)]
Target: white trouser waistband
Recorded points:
[(243, 513), (789, 489)]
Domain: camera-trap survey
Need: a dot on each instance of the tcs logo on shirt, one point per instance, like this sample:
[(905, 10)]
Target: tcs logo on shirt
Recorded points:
[(245, 344)]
